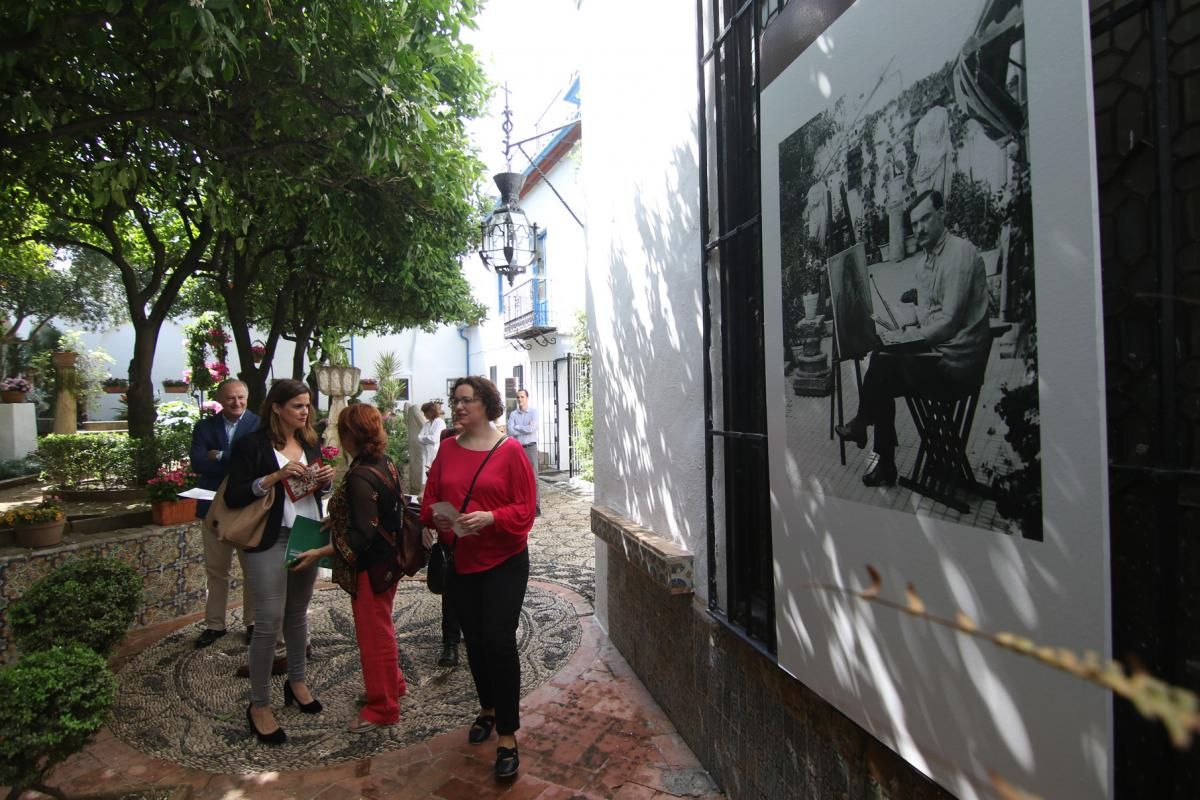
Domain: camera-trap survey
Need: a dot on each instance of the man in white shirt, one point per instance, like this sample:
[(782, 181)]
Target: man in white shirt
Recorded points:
[(523, 425)]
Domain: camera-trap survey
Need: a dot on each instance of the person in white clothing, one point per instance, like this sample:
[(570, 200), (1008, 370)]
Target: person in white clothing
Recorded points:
[(430, 436)]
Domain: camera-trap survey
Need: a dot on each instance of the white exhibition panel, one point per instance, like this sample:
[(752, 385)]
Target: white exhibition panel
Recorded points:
[(955, 707)]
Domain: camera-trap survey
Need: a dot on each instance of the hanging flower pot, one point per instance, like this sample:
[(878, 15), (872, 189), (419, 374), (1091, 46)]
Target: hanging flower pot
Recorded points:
[(173, 512), (174, 387), (369, 384)]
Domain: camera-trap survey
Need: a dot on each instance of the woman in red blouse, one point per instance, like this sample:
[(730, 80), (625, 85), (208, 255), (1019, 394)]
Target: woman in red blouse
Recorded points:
[(491, 559)]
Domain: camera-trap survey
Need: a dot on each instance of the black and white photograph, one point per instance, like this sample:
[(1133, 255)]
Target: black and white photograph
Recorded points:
[(907, 279)]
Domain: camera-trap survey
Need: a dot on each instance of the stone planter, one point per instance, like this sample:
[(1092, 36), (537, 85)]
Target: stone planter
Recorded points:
[(40, 534), (173, 512), (170, 389), (12, 397)]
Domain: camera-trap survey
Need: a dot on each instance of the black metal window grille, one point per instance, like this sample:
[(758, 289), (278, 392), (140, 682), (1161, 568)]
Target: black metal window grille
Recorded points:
[(736, 447)]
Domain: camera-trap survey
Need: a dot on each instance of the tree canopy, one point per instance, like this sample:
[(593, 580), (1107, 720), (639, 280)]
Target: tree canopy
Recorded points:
[(291, 155)]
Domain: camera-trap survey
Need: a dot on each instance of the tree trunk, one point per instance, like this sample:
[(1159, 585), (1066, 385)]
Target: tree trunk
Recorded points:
[(140, 395)]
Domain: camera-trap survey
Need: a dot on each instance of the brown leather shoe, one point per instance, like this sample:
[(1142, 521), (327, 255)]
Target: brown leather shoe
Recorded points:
[(278, 667)]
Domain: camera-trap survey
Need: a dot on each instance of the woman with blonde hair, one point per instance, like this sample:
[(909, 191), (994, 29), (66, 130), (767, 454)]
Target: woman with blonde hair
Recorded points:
[(284, 447)]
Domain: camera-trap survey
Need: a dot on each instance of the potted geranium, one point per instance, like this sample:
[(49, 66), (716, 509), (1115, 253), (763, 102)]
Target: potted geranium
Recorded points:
[(36, 526), (116, 385), (258, 352), (166, 506), (14, 389), (369, 384), (175, 386)]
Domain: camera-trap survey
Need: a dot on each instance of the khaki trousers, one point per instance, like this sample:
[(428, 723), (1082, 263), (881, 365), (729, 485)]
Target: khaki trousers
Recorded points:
[(218, 558)]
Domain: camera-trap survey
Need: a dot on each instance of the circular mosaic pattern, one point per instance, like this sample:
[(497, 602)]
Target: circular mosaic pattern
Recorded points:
[(187, 705)]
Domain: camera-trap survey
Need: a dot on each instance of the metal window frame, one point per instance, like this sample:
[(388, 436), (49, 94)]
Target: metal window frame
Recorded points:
[(733, 55)]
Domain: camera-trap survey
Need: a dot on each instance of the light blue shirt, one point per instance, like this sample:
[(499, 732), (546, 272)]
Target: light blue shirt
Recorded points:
[(524, 425), (230, 427)]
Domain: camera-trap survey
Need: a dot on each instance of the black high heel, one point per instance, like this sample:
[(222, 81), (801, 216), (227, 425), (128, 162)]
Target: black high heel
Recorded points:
[(289, 697), (276, 736)]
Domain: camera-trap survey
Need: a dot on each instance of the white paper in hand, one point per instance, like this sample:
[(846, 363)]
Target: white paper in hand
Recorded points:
[(451, 513)]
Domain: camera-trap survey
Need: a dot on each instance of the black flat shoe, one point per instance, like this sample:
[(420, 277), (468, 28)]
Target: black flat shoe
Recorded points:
[(276, 736), (249, 634), (209, 636), (449, 657), (881, 475), (507, 762), (481, 729), (847, 434), (289, 697)]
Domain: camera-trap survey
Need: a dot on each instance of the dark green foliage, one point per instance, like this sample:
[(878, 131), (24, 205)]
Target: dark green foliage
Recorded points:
[(90, 601), (51, 703)]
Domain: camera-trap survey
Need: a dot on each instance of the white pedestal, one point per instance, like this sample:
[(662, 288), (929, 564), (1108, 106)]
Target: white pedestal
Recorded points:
[(18, 430)]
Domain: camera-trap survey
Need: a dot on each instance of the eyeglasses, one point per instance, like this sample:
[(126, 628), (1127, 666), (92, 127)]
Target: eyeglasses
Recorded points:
[(455, 401)]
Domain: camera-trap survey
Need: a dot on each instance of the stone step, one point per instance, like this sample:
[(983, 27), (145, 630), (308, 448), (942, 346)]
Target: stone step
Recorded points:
[(104, 425)]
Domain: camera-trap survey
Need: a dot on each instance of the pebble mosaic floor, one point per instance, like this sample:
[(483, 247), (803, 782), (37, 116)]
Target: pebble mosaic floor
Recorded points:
[(187, 705)]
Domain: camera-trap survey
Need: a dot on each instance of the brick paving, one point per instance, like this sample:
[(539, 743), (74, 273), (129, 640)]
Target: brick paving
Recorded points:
[(591, 731)]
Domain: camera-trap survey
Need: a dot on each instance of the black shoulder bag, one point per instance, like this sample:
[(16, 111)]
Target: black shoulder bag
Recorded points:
[(441, 558)]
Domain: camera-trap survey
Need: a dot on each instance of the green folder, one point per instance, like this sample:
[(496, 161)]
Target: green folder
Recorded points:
[(306, 535)]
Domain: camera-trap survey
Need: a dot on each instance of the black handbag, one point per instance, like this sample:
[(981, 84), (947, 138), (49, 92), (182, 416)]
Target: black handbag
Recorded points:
[(441, 564), (441, 558)]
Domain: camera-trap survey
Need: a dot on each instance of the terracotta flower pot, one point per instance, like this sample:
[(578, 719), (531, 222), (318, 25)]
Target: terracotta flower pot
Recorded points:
[(40, 534), (64, 359), (369, 385), (12, 397), (175, 389), (173, 512), (115, 389)]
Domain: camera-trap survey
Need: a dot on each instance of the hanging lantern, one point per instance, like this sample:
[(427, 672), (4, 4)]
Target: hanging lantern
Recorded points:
[(509, 240)]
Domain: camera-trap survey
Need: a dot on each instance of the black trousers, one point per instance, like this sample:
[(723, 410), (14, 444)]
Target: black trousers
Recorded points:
[(451, 632), (890, 376), (488, 604)]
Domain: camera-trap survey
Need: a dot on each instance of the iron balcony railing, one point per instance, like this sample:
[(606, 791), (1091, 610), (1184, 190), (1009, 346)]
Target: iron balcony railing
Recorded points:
[(526, 309)]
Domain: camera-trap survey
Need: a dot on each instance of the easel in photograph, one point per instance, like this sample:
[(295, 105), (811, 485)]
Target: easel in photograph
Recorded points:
[(853, 326)]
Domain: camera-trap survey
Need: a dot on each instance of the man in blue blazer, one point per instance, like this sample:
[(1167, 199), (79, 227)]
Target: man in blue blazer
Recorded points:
[(212, 444)]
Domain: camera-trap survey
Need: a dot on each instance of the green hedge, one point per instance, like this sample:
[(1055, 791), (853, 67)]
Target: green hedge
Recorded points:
[(108, 460), (91, 601), (51, 703)]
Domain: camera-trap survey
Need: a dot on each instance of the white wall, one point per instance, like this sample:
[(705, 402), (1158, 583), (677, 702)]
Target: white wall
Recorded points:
[(644, 281)]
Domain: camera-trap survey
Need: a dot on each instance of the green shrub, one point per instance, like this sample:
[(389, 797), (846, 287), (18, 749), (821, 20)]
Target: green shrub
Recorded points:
[(90, 601), (108, 460), (88, 460), (51, 703)]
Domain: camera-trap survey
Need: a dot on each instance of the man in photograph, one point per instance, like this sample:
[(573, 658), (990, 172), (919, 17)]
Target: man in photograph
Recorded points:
[(951, 329), (212, 442)]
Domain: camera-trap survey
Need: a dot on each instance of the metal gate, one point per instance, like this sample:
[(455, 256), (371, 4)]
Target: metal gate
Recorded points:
[(554, 389), (1144, 65)]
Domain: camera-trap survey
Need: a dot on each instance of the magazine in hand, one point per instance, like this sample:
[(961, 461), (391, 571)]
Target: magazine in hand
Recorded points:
[(306, 535), (302, 486)]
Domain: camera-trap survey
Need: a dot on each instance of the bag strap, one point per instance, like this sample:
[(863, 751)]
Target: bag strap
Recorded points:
[(467, 499), (390, 483)]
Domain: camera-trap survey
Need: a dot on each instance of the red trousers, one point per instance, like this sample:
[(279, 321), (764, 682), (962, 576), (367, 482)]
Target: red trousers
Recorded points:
[(377, 652)]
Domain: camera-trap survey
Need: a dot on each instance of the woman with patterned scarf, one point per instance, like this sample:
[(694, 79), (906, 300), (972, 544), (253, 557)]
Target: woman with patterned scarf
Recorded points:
[(365, 520)]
